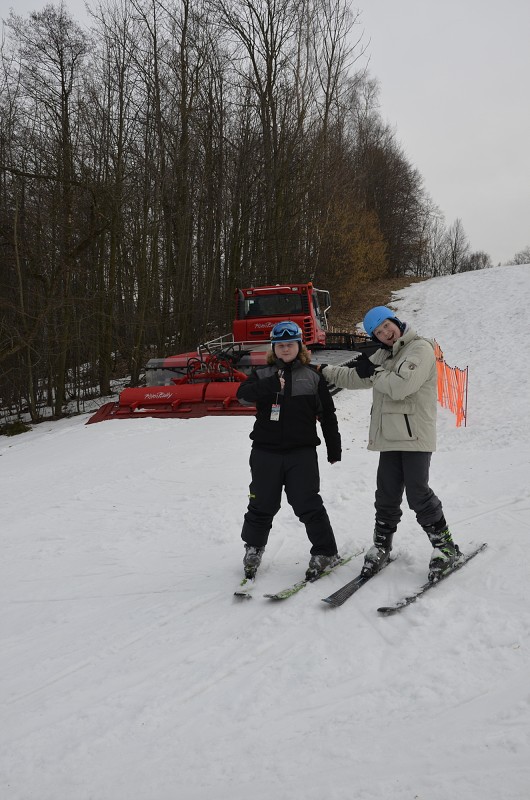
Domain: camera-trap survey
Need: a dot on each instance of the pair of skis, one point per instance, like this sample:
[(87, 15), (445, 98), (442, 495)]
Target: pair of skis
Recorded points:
[(387, 611), (246, 586), (341, 595)]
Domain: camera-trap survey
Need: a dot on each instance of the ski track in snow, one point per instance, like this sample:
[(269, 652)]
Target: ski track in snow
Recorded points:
[(129, 671)]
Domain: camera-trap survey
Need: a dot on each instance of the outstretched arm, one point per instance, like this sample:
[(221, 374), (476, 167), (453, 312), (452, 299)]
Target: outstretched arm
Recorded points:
[(346, 378)]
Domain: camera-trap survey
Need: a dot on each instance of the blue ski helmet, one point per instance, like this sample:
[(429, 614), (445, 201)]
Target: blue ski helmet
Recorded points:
[(376, 316), (286, 331)]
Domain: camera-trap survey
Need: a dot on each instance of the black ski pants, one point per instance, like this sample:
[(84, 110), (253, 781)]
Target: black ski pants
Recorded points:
[(297, 472), (400, 471)]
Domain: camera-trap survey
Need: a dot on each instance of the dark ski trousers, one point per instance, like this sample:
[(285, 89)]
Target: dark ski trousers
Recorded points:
[(297, 471), (400, 471)]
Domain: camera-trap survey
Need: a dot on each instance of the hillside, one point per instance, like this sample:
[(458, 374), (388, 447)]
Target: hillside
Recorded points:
[(348, 311), (129, 672)]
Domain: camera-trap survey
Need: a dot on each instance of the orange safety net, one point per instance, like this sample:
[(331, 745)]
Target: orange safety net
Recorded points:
[(452, 387)]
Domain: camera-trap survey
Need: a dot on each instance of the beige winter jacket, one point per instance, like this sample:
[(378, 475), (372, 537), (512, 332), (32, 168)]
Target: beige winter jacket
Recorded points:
[(403, 415)]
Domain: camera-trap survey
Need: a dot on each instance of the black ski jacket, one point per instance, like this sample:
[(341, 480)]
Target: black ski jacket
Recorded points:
[(305, 399)]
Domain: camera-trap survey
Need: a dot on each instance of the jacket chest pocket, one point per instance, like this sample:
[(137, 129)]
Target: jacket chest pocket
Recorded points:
[(302, 385), (398, 421)]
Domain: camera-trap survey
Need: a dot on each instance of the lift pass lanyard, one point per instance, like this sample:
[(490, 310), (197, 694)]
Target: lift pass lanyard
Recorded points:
[(275, 408)]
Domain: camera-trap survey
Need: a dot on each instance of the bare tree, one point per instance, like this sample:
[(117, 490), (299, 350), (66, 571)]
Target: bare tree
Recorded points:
[(268, 50), (51, 50), (522, 257), (477, 260), (458, 244)]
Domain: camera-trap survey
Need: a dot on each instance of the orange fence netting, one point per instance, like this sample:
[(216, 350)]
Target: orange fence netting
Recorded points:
[(452, 387)]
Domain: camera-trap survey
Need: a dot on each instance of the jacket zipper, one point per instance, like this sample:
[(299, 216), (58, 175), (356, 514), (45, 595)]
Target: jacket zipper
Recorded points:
[(407, 423)]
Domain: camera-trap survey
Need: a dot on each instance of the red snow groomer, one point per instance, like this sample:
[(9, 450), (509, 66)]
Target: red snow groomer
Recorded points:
[(205, 381)]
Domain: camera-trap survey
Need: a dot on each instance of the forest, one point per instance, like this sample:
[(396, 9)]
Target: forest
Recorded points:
[(153, 161)]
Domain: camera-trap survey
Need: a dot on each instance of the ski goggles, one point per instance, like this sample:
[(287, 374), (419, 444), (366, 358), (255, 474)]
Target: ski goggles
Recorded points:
[(286, 332)]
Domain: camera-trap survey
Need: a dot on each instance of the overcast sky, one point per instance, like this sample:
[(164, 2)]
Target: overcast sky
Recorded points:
[(455, 85)]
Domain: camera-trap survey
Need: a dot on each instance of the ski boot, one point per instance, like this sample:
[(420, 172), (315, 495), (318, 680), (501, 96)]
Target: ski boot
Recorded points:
[(252, 560), (379, 553), (319, 564), (445, 553)]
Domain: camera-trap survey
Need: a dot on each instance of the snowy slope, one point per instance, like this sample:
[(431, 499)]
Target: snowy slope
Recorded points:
[(130, 673)]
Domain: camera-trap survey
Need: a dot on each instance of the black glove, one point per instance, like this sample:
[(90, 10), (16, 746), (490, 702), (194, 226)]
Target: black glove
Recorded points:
[(364, 367)]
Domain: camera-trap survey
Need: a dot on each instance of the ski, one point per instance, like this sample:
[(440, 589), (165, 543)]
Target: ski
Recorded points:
[(245, 588), (411, 598), (341, 595), (295, 587)]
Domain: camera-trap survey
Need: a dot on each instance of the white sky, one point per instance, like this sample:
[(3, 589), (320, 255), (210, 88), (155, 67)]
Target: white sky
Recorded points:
[(455, 86)]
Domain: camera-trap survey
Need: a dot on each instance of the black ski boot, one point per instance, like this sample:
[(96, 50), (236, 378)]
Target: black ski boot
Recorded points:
[(379, 552), (445, 553), (319, 564), (252, 560)]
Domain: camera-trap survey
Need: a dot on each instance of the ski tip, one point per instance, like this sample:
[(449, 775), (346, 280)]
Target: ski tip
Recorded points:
[(473, 550), (328, 601), (387, 611)]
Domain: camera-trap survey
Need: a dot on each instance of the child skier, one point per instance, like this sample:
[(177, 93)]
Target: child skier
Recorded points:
[(403, 376), (289, 397)]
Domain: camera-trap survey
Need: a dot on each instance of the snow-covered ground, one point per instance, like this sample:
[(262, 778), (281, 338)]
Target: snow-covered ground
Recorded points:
[(129, 672)]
